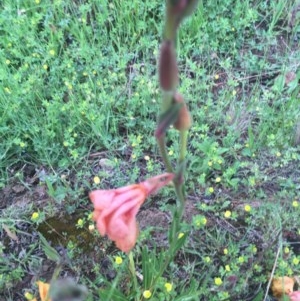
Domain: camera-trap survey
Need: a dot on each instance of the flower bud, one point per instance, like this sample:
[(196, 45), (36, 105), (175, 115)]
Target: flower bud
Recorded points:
[(168, 71), (166, 119), (182, 8), (184, 120)]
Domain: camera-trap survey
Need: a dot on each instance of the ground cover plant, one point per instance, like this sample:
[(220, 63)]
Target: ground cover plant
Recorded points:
[(79, 104)]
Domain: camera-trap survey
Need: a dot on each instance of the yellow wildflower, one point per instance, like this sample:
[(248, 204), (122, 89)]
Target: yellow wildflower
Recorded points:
[(147, 294), (218, 180), (180, 235), (28, 296), (218, 281), (118, 260), (168, 287), (96, 180), (211, 190), (34, 216), (91, 228), (247, 208), (227, 214), (295, 261)]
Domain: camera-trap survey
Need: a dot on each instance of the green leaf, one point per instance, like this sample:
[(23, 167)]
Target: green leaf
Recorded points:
[(50, 252)]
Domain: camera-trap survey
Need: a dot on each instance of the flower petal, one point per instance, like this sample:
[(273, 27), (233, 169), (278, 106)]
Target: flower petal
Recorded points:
[(295, 296), (43, 290), (153, 184), (102, 198)]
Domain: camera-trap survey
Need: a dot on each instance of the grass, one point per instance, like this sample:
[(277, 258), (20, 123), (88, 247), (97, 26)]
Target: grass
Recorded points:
[(79, 98)]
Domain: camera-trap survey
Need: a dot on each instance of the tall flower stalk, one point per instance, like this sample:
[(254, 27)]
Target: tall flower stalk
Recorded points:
[(174, 110)]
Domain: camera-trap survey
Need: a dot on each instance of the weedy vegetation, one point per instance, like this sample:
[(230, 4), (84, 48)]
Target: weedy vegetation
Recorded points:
[(79, 102)]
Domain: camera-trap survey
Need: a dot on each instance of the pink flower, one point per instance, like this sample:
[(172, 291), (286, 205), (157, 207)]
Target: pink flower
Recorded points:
[(116, 209), (295, 296)]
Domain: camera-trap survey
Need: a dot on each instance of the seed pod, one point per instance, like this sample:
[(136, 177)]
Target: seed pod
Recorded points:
[(168, 71), (184, 120)]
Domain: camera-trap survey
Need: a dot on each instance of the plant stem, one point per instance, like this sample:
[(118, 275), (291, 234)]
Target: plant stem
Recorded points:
[(183, 145), (132, 270), (163, 151)]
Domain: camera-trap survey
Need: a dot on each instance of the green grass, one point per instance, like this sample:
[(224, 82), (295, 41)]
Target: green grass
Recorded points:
[(79, 85)]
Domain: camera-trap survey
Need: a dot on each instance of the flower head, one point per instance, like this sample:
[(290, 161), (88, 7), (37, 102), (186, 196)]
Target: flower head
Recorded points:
[(118, 260), (35, 216), (147, 294), (168, 286), (247, 208), (218, 281), (227, 213), (116, 209)]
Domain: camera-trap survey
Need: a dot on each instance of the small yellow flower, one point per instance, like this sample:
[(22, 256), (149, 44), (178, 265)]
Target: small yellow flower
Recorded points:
[(22, 144), (278, 154), (118, 260), (207, 259), (295, 204), (45, 66), (80, 222), (7, 62), (233, 92), (227, 267), (225, 251), (52, 52), (168, 287), (218, 180), (286, 250), (232, 28), (227, 214), (37, 1), (147, 158), (209, 163), (218, 281), (180, 235), (28, 296), (171, 152), (96, 180), (295, 261), (91, 228), (66, 143), (211, 190), (247, 208), (133, 156), (35, 216), (147, 294), (7, 90), (254, 249), (241, 259), (220, 161), (217, 76)]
